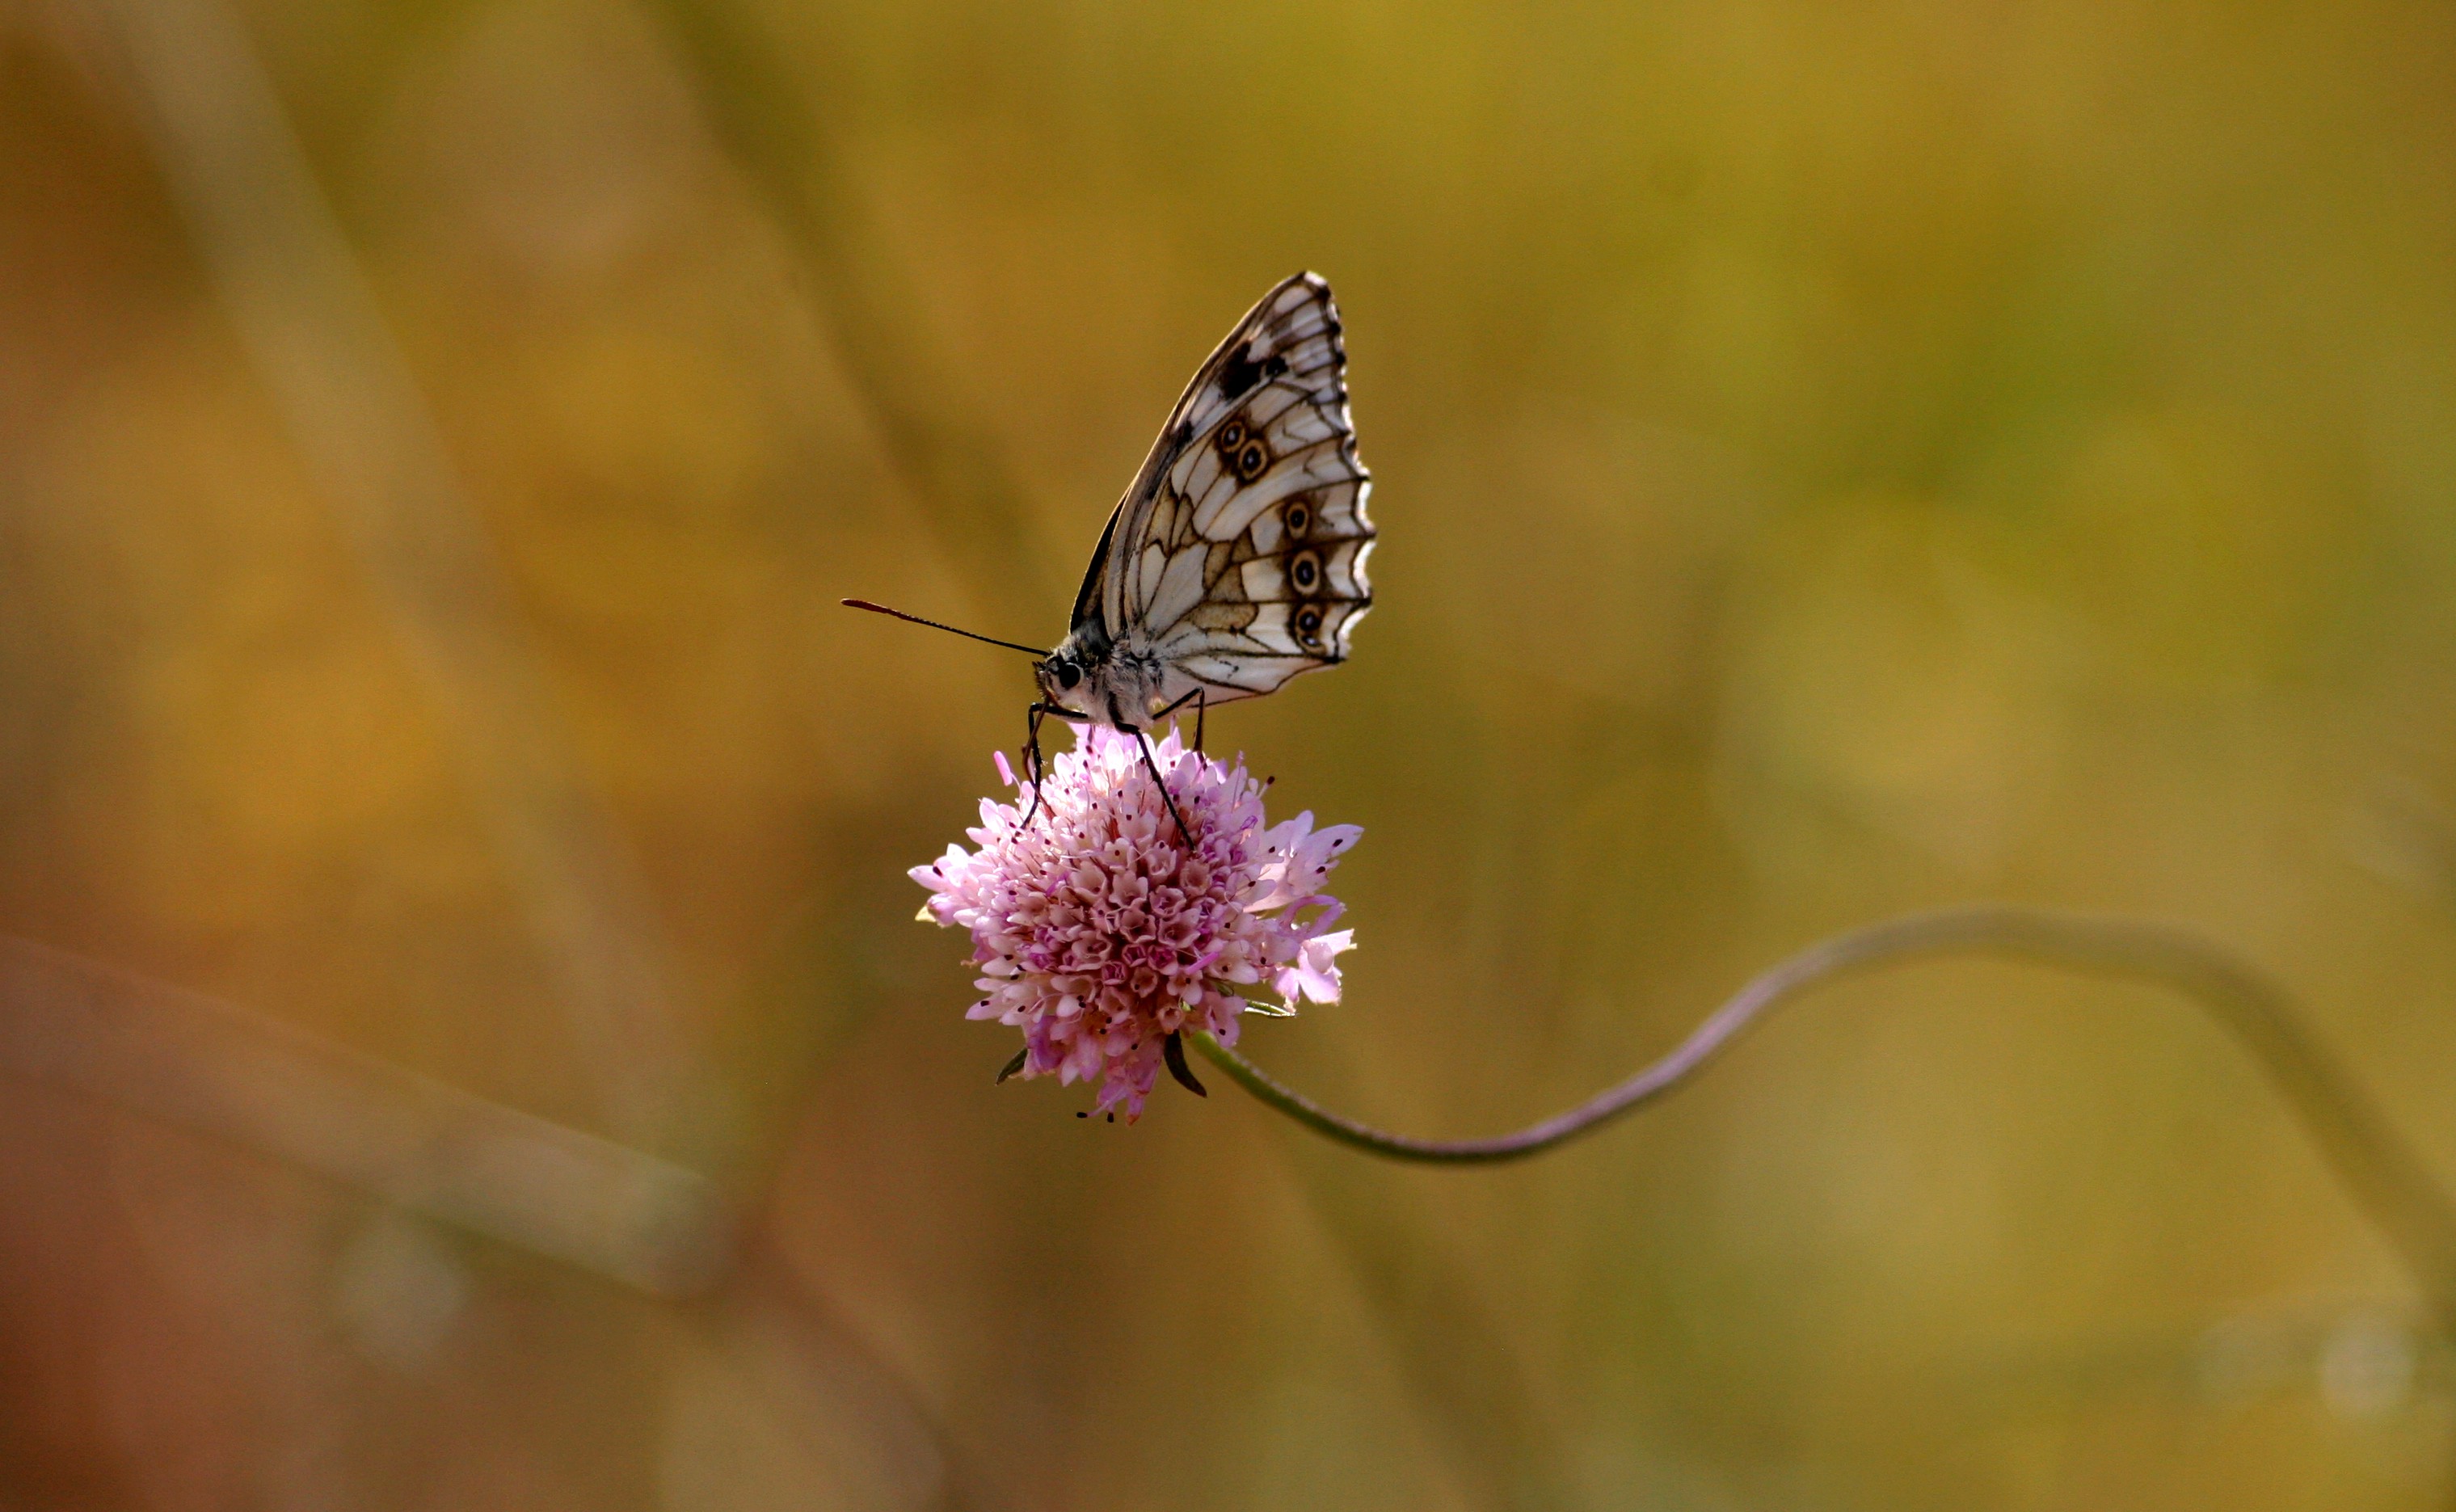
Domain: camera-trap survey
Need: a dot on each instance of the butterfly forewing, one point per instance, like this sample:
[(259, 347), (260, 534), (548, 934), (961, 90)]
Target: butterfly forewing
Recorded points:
[(1237, 558)]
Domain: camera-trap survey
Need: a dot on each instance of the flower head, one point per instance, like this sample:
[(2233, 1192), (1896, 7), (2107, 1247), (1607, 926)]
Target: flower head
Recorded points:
[(1100, 931)]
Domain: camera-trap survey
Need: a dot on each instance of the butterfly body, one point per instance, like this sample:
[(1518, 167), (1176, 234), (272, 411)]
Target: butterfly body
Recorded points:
[(1236, 560)]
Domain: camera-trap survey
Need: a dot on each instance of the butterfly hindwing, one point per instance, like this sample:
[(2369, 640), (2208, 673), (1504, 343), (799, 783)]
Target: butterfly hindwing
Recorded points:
[(1238, 555)]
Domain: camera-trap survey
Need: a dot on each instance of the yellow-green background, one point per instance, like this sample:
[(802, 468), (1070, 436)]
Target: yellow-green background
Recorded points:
[(1832, 457)]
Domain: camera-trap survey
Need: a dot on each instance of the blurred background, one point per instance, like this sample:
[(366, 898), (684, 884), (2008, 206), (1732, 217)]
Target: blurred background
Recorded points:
[(1830, 459)]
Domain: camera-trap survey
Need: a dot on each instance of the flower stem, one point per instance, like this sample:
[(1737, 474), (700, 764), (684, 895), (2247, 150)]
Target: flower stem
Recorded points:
[(2383, 1174)]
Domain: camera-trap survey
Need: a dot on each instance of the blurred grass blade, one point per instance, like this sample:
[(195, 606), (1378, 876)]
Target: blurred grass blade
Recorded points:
[(776, 129), (301, 303), (1468, 1379), (837, 1396), (189, 1060)]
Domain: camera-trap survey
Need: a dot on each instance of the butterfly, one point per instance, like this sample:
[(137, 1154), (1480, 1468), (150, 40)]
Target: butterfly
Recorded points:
[(1235, 559)]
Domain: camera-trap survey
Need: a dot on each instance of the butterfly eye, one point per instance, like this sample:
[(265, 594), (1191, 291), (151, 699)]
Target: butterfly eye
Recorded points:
[(1309, 625), (1251, 460), (1068, 673), (1305, 571), (1300, 520)]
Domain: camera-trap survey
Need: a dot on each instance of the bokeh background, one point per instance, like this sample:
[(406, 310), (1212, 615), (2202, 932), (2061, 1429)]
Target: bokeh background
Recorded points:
[(1831, 459)]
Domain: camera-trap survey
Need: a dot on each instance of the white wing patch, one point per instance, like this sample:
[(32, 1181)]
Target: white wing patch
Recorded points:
[(1180, 587)]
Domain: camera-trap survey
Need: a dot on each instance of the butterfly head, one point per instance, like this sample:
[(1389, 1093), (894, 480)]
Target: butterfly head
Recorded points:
[(1061, 675)]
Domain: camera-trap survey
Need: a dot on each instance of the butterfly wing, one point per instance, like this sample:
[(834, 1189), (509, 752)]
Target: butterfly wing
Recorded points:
[(1237, 556)]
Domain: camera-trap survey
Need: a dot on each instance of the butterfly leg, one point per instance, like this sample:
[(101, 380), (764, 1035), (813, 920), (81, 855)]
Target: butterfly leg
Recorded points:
[(1200, 699), (1031, 754), (1151, 764)]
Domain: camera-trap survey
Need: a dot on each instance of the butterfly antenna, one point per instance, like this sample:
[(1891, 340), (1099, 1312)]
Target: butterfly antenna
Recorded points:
[(898, 614)]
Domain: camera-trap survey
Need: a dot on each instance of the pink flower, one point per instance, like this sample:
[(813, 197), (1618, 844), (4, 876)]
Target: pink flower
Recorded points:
[(1101, 934)]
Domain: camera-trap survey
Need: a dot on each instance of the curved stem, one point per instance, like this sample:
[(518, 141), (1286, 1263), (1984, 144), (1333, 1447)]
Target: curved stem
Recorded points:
[(2383, 1174)]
